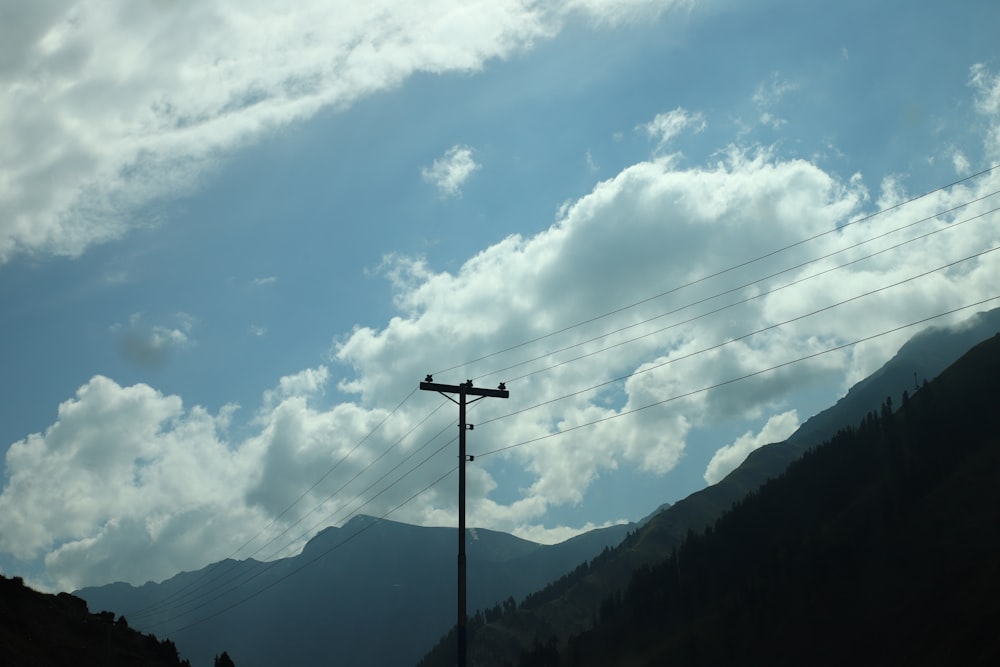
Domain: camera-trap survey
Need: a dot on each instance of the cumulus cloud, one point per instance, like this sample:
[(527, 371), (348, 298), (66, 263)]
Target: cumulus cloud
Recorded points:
[(121, 472), (728, 458), (128, 484), (309, 382), (449, 172), (109, 107)]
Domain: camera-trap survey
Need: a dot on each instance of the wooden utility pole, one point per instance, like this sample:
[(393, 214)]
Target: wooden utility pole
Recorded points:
[(463, 390)]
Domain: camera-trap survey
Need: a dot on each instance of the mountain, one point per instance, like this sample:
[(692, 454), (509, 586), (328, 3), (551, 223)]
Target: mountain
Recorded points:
[(569, 606), (378, 593), (921, 358), (878, 547), (41, 630), (383, 597)]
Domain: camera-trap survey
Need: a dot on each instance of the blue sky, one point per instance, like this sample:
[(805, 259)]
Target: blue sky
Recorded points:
[(234, 238)]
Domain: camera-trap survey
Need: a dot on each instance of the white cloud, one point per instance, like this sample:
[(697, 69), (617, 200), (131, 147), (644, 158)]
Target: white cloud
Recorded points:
[(449, 172), (666, 126), (768, 95), (616, 12), (962, 165), (108, 107), (728, 458), (129, 485), (559, 534), (122, 471), (307, 383), (986, 85)]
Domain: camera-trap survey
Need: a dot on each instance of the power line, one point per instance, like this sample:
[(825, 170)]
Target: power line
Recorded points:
[(197, 599), (201, 599), (180, 593), (331, 518), (343, 486), (263, 567), (312, 560), (352, 513), (717, 273), (737, 379), (689, 355), (722, 308)]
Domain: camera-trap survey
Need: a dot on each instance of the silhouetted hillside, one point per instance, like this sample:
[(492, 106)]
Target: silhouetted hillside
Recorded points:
[(42, 630), (879, 547), (921, 358)]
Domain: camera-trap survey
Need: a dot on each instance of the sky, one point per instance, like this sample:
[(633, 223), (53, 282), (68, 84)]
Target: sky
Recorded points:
[(235, 236)]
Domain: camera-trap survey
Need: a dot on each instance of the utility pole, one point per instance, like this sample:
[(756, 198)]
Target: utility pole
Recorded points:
[(463, 390)]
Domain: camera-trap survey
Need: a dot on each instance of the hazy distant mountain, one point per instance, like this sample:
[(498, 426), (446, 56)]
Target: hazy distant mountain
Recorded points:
[(41, 630), (569, 606), (381, 595)]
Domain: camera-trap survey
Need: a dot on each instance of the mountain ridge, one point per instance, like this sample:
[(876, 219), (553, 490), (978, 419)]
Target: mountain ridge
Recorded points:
[(368, 575)]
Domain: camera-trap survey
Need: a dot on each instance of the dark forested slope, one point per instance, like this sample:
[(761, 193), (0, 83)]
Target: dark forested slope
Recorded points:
[(880, 547), (42, 630)]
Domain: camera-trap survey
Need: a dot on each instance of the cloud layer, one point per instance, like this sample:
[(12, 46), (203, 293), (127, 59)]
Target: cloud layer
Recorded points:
[(110, 107)]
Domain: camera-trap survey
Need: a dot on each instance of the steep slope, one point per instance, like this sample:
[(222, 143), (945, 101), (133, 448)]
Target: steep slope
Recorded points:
[(377, 593), (42, 630), (569, 606), (921, 358), (879, 547)]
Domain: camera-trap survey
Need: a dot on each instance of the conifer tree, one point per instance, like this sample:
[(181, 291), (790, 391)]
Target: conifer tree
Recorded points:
[(224, 660)]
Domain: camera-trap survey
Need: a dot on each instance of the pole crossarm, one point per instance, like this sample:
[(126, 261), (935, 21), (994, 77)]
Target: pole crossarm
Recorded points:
[(463, 390), (466, 389)]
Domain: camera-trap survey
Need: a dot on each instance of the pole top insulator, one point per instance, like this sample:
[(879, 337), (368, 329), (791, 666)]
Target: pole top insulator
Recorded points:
[(429, 378), (502, 386)]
